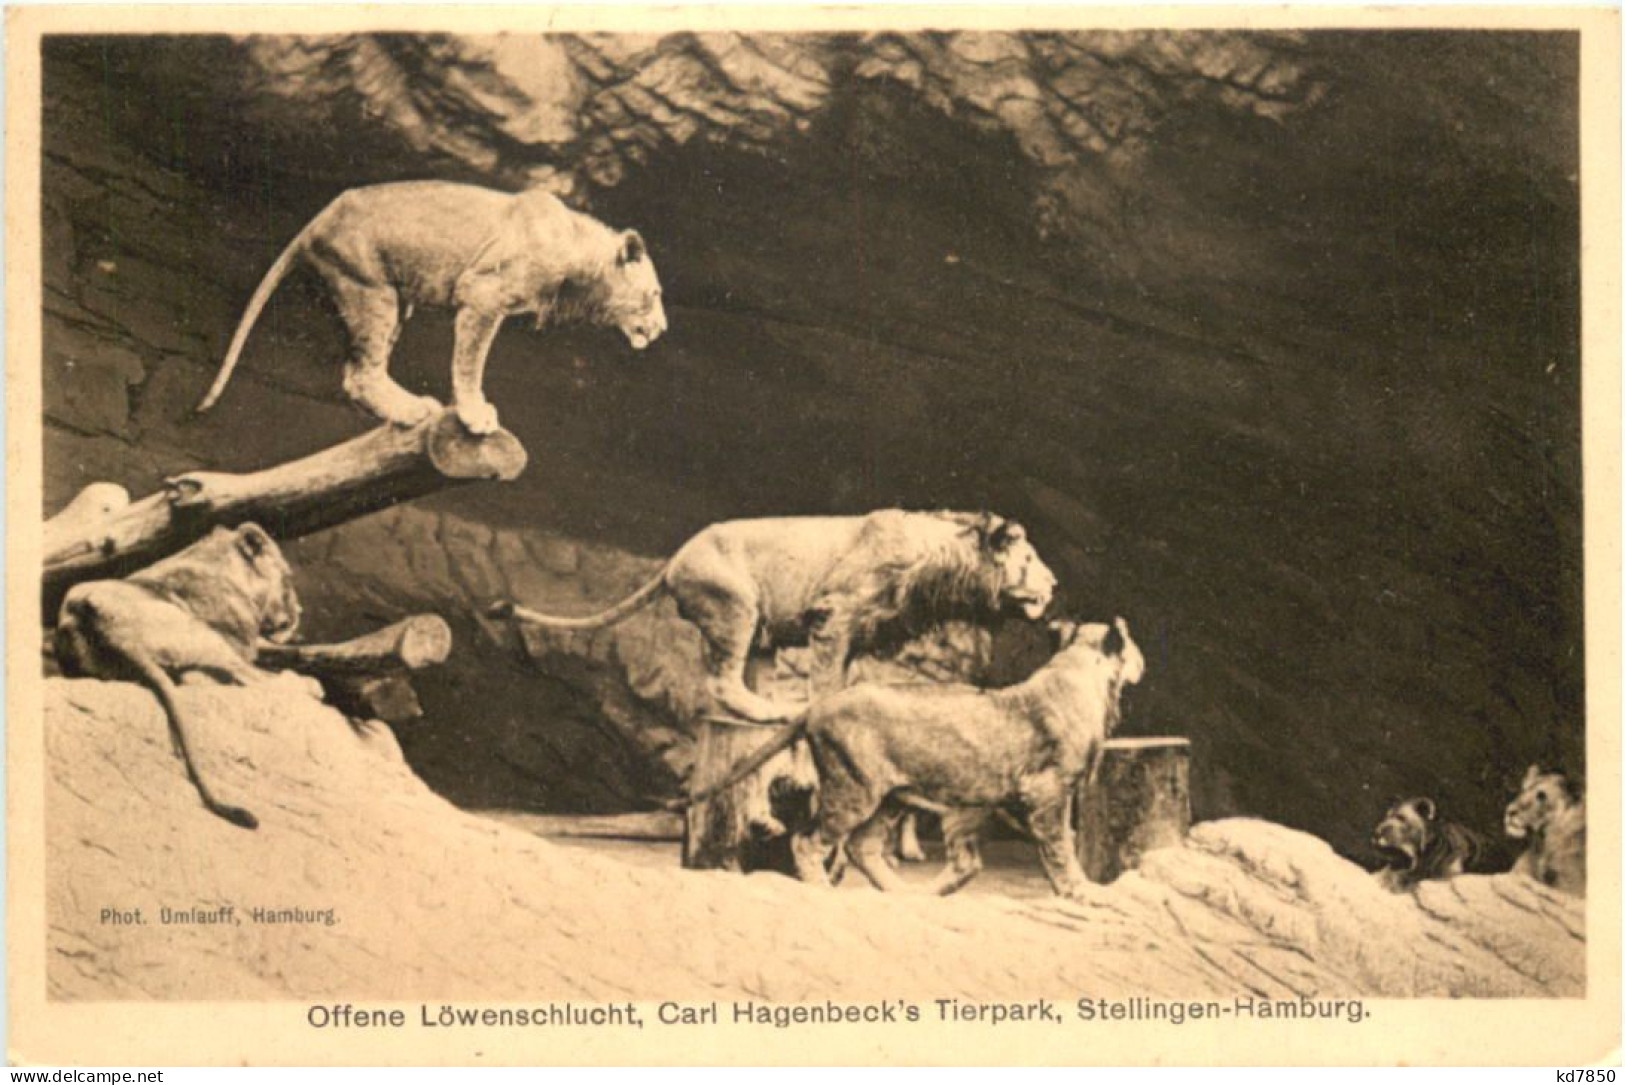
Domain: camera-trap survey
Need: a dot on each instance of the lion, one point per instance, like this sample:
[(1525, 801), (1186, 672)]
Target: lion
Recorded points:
[(1417, 845), (201, 611), (384, 249), (963, 752), (840, 584), (1549, 814)]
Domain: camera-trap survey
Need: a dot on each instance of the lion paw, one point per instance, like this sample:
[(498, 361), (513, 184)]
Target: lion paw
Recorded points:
[(479, 418), (1075, 890), (414, 411)]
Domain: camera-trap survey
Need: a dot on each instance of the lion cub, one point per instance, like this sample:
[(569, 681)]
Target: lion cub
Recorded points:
[(1418, 845), (201, 611)]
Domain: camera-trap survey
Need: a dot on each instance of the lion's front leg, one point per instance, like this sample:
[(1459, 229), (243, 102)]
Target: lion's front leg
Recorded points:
[(813, 855), (867, 849), (908, 839), (961, 832)]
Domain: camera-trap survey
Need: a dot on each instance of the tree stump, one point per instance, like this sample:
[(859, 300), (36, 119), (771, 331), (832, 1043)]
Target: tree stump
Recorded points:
[(1139, 800), (745, 827)]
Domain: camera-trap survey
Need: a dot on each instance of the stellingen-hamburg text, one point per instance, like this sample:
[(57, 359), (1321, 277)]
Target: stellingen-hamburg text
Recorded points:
[(1178, 1011)]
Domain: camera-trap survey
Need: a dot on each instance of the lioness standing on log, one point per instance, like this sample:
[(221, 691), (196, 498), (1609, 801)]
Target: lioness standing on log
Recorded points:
[(489, 255), (835, 582)]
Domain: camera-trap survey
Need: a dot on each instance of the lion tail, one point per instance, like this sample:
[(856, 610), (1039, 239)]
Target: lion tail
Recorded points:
[(153, 677), (780, 742), (262, 294), (633, 603)]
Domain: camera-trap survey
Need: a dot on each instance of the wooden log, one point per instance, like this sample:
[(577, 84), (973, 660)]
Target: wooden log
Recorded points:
[(654, 825), (745, 827), (408, 645), (1139, 800), (365, 677), (380, 468), (79, 520)]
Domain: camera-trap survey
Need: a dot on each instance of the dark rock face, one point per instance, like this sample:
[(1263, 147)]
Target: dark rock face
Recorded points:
[(1271, 340)]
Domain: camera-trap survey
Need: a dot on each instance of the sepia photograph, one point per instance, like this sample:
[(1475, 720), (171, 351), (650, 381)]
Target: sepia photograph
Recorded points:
[(713, 536)]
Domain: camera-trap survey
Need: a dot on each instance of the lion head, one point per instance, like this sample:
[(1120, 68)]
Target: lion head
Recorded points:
[(1542, 797), (953, 566), (1025, 583), (1077, 640), (1404, 830), (629, 294)]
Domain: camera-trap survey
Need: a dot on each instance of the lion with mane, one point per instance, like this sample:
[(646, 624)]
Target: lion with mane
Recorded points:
[(842, 585)]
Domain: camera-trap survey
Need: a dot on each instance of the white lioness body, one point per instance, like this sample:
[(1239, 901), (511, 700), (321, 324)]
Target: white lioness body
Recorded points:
[(384, 249), (201, 611), (1549, 816), (836, 582)]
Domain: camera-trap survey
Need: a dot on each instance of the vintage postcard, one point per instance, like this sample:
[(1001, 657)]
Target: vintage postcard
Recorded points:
[(795, 535)]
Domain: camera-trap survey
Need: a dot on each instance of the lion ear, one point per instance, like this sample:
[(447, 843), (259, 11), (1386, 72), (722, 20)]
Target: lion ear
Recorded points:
[(998, 533), (632, 249), (1426, 809), (1531, 776), (252, 541), (1114, 642), (1008, 534)]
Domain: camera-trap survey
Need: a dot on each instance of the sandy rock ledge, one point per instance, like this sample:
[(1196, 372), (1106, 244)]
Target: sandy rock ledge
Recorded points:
[(430, 901)]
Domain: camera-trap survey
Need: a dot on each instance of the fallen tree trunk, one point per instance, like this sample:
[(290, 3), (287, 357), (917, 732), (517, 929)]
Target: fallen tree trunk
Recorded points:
[(380, 468), (408, 645), (366, 677)]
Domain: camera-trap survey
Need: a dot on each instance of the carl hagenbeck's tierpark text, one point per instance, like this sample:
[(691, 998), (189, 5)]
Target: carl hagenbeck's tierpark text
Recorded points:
[(1086, 1010)]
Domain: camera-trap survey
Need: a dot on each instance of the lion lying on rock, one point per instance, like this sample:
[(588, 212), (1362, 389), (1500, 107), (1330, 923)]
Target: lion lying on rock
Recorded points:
[(201, 612), (963, 752), (1549, 816)]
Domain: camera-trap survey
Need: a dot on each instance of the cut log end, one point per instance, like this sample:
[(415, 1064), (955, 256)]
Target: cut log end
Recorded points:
[(456, 453), (408, 645), (425, 641)]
